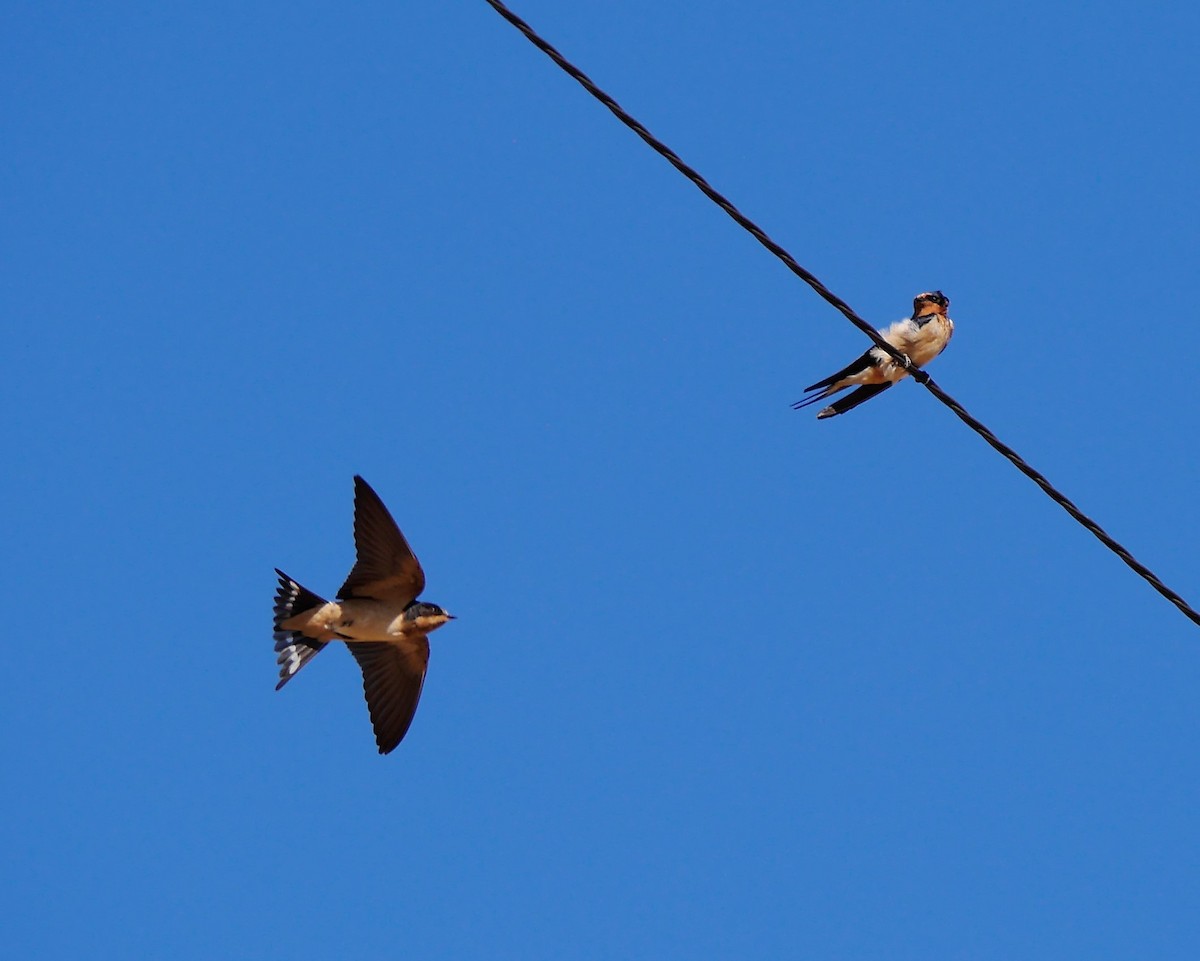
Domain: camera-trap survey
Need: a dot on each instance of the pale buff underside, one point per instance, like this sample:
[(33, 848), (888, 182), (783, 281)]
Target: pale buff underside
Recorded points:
[(920, 344), (358, 619)]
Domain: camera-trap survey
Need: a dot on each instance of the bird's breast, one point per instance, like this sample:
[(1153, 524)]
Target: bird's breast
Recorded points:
[(931, 340), (362, 619)]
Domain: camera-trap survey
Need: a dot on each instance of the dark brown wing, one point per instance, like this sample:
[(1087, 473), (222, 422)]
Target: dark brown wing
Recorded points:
[(860, 364), (853, 399), (392, 677), (386, 568)]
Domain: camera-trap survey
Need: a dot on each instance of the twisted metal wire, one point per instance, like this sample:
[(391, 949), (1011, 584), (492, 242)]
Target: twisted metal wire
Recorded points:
[(919, 375)]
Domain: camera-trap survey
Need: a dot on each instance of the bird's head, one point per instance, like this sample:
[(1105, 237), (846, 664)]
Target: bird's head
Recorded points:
[(930, 302), (426, 617)]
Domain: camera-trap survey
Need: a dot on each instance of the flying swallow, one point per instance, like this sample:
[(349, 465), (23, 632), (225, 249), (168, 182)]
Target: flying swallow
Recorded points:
[(920, 337), (376, 614)]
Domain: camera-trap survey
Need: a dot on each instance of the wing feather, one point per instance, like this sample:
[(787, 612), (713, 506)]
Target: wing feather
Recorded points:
[(393, 674), (386, 568)]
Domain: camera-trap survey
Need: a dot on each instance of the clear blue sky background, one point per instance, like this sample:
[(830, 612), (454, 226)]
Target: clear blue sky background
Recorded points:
[(726, 682)]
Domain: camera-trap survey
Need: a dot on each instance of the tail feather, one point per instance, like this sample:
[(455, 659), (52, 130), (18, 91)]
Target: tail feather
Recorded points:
[(835, 382), (853, 399), (809, 401), (294, 649), (857, 366)]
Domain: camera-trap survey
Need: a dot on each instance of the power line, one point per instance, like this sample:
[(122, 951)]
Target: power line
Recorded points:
[(919, 375)]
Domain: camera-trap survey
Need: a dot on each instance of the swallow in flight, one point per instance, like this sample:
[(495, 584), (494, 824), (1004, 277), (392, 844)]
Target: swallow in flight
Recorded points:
[(920, 337), (376, 614)]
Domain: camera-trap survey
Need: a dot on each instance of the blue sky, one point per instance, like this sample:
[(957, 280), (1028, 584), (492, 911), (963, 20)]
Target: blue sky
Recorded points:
[(726, 681)]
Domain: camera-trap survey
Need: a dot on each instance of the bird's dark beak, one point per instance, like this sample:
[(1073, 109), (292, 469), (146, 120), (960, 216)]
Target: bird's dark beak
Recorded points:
[(451, 617)]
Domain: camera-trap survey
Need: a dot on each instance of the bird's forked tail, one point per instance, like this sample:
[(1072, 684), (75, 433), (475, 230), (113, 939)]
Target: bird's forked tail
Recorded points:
[(294, 648)]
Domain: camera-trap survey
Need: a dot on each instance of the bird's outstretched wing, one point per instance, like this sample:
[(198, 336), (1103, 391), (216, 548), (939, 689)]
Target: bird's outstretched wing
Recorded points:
[(386, 568), (393, 673)]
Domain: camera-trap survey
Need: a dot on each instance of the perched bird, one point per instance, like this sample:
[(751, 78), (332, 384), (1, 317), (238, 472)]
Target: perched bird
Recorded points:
[(920, 337), (377, 615)]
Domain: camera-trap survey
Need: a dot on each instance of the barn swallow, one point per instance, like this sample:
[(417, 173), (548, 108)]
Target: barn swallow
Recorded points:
[(920, 337), (376, 614)]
